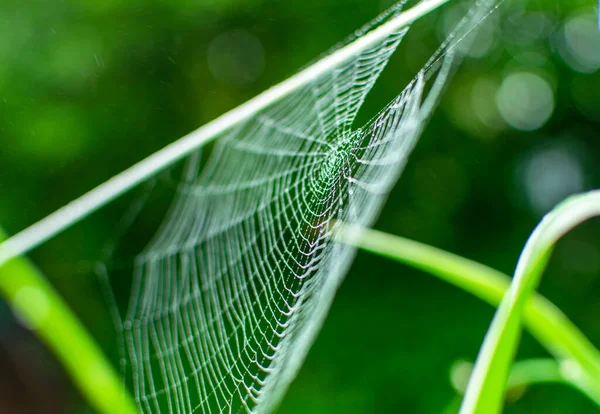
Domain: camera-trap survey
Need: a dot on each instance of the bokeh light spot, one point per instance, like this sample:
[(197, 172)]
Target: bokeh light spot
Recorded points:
[(580, 43), (550, 175), (525, 101), (523, 29)]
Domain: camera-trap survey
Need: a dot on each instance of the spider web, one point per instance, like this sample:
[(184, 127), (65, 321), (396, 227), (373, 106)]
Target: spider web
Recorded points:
[(229, 295)]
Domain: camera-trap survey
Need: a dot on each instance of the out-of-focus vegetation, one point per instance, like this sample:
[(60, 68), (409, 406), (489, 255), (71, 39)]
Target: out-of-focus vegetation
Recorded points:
[(88, 88)]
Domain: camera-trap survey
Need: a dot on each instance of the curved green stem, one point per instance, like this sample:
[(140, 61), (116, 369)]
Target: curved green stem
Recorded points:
[(485, 393), (523, 374), (537, 371), (41, 309), (543, 320)]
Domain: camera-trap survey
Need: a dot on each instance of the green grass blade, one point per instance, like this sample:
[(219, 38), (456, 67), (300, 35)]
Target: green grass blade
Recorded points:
[(40, 308), (543, 320), (485, 392), (522, 375), (525, 373)]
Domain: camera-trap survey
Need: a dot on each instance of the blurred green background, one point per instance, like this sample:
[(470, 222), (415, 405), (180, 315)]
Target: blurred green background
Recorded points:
[(88, 88)]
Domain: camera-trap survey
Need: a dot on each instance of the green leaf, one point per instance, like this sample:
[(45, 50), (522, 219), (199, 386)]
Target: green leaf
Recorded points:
[(545, 322), (485, 392), (42, 310)]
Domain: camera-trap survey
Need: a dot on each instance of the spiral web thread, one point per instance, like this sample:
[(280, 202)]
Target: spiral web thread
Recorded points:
[(231, 292)]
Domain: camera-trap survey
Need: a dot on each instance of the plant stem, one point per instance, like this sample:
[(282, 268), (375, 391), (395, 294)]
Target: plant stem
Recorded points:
[(41, 309), (91, 201), (488, 382), (524, 373), (543, 320), (537, 371)]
